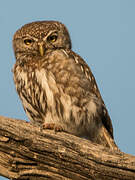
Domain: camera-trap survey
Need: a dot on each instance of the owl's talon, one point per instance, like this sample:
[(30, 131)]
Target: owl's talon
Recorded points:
[(53, 126)]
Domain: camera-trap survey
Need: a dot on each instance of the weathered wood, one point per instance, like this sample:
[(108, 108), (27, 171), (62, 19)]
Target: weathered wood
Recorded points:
[(27, 152)]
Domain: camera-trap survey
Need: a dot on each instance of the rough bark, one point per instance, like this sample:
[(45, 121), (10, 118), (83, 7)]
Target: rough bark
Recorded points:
[(27, 152)]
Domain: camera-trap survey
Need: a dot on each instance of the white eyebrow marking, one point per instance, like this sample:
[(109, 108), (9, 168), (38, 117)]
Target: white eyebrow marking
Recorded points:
[(49, 34), (31, 37)]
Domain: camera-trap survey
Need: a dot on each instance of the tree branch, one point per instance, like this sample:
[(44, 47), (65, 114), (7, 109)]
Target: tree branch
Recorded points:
[(26, 152)]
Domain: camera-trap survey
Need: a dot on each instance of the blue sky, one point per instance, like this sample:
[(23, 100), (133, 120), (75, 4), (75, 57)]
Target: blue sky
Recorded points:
[(102, 32)]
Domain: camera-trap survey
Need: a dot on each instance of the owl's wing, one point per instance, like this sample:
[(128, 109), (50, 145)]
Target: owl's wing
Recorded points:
[(94, 89)]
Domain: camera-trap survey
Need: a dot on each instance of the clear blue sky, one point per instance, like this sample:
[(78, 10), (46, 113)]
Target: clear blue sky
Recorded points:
[(102, 32)]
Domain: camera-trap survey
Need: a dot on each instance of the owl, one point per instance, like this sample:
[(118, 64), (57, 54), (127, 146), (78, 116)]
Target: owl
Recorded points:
[(57, 88)]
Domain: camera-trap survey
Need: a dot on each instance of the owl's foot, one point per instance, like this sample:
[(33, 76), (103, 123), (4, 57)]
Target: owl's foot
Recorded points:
[(53, 126)]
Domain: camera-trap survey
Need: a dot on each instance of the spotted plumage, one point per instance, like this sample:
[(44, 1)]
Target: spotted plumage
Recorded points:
[(57, 88)]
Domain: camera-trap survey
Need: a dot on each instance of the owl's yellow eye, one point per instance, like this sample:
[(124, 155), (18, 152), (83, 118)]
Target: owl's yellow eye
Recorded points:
[(27, 41), (52, 38)]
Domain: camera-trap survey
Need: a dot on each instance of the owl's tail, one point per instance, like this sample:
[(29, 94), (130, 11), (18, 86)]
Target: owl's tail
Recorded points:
[(106, 140)]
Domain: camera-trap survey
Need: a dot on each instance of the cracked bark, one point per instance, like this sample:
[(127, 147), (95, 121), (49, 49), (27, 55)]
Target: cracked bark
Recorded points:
[(27, 153)]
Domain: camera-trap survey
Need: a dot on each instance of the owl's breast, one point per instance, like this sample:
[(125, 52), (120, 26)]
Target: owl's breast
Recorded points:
[(46, 100), (31, 93)]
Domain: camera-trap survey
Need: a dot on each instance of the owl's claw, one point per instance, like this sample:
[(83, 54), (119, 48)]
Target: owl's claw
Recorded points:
[(53, 126)]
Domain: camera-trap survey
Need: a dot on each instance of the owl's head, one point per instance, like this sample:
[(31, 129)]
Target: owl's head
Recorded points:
[(37, 37)]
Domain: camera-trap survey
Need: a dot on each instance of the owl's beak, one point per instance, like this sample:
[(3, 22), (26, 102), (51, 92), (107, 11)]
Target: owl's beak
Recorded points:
[(41, 49)]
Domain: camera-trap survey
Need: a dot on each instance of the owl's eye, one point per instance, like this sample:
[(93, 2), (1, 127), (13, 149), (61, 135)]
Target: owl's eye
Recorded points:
[(52, 38), (28, 41)]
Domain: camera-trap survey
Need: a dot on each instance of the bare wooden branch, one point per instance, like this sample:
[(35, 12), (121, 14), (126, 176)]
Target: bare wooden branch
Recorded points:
[(26, 152)]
